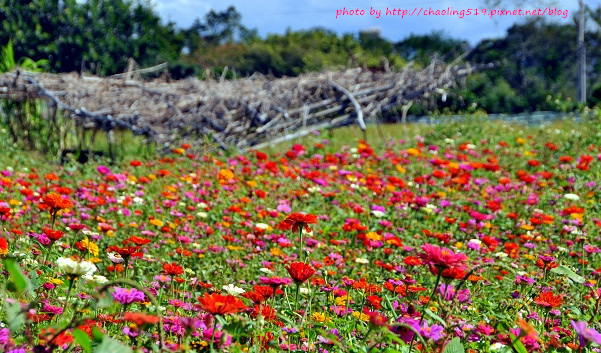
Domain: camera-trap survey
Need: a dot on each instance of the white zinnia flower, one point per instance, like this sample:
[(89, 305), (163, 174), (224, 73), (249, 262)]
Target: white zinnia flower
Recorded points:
[(262, 226), (115, 258), (496, 346), (233, 290), (100, 279), (313, 189), (75, 268), (378, 214), (361, 260), (202, 214), (501, 255), (476, 241), (572, 197)]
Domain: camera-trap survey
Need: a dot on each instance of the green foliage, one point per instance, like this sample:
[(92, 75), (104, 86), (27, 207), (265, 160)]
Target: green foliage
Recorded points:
[(454, 346), (96, 34), (20, 281), (566, 271), (83, 339)]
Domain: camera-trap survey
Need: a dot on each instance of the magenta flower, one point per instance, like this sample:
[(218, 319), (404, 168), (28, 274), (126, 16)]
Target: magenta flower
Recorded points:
[(4, 335), (275, 281), (586, 334), (442, 257), (103, 170), (128, 296), (404, 333), (55, 310)]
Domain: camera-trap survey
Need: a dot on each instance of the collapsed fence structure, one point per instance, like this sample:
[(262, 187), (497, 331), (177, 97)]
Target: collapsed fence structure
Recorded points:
[(243, 114)]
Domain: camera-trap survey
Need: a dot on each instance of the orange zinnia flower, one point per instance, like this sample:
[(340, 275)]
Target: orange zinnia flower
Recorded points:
[(218, 304), (56, 202), (548, 300), (526, 330), (300, 271), (298, 221)]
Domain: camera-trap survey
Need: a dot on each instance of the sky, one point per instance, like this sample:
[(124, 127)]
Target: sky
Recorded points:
[(275, 16)]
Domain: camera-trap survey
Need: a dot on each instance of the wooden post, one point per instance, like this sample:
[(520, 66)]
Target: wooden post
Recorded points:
[(581, 57)]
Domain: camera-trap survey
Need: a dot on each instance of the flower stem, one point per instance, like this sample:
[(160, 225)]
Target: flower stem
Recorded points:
[(297, 291), (213, 334), (421, 319), (126, 266), (71, 280), (300, 251)]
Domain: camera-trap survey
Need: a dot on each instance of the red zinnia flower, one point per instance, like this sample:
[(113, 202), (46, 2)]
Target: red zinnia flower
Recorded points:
[(300, 271), (265, 291), (3, 246), (53, 235), (126, 251), (256, 298), (140, 319), (548, 300), (173, 269), (299, 220), (218, 304), (137, 240)]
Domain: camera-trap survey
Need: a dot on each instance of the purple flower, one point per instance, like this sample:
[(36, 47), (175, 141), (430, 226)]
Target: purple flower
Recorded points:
[(128, 296), (586, 334), (434, 332), (131, 331), (404, 333)]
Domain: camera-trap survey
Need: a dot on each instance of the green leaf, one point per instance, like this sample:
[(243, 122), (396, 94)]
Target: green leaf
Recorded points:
[(517, 344), (455, 346), (111, 345), (20, 281), (435, 317), (566, 271), (35, 281), (14, 315), (103, 302), (83, 339), (97, 335), (395, 339)]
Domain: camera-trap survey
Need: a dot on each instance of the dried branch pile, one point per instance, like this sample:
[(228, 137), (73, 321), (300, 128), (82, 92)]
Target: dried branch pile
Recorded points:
[(245, 113)]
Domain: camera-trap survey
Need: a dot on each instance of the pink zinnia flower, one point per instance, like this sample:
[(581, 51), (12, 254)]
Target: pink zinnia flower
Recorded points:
[(442, 257), (103, 170), (275, 281)]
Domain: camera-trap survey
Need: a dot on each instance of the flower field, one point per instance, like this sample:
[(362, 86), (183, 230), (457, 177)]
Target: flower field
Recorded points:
[(449, 238)]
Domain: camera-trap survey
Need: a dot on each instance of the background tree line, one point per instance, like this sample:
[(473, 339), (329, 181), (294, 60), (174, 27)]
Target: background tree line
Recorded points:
[(536, 60)]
